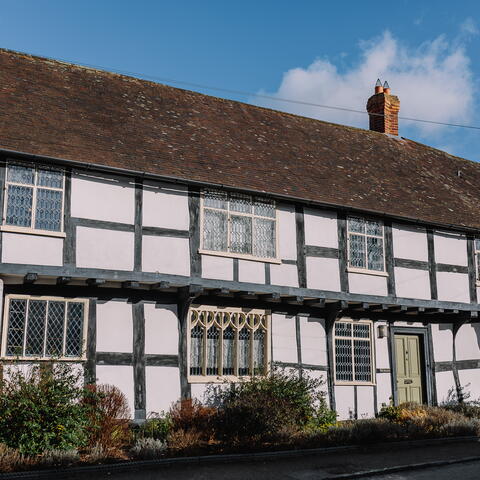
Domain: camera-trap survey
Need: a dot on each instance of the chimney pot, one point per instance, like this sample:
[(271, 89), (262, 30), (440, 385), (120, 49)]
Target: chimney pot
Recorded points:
[(386, 88), (383, 110), (378, 86)]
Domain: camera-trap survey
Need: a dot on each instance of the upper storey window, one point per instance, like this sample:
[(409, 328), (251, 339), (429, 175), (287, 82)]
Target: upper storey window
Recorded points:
[(239, 225), (34, 198), (366, 249)]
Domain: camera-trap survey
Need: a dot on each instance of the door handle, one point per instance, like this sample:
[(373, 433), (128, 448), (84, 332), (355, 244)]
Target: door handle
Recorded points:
[(408, 381)]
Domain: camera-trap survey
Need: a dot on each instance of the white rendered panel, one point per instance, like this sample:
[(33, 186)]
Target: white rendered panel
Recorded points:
[(199, 390), (287, 232), (162, 386), (367, 284), (161, 329), (445, 383), (442, 339), (32, 249), (453, 287), (114, 326), (384, 389), (220, 268), (410, 283), (321, 228), (102, 248), (284, 339), (169, 255), (365, 401), (313, 341), (410, 243), (109, 198), (467, 342), (165, 205), (450, 249), (251, 272), (382, 358), (284, 274), (345, 401), (323, 273), (470, 381), (122, 377)]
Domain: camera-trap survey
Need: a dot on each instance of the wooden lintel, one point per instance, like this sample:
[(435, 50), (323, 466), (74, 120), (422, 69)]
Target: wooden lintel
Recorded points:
[(130, 284), (247, 295), (271, 297), (160, 286), (63, 280), (221, 292), (30, 277), (95, 282)]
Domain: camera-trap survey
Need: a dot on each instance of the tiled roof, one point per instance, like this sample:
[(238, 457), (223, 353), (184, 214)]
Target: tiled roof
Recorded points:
[(62, 110)]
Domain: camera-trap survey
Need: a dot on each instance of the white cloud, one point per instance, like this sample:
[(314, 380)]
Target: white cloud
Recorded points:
[(433, 81), (469, 27)]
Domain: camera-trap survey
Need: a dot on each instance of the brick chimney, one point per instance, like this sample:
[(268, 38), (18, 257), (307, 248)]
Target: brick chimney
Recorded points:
[(383, 110)]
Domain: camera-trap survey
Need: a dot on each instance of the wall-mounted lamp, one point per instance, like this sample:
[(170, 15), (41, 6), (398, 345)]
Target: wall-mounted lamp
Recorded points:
[(382, 331)]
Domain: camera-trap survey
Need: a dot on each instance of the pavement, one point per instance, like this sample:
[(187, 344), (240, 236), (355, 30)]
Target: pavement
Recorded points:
[(409, 460)]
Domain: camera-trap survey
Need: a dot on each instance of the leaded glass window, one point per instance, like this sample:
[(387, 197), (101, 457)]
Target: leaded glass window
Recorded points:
[(353, 352), (34, 197), (42, 327), (228, 342), (366, 244), (477, 257), (239, 224)]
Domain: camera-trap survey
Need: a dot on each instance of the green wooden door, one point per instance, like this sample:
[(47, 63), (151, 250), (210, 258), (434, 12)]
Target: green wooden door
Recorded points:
[(409, 368)]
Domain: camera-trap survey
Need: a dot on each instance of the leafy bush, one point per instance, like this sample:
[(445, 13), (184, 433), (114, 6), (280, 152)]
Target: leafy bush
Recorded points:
[(40, 409), (185, 441), (148, 448), (157, 427), (12, 460), (57, 458), (190, 415)]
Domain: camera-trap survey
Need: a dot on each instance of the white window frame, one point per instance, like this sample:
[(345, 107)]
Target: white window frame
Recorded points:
[(6, 312), (229, 254), (220, 378), (32, 230), (353, 269), (372, 352), (476, 252)]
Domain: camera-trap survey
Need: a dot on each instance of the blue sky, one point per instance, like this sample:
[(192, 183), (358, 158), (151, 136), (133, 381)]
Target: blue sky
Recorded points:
[(318, 51)]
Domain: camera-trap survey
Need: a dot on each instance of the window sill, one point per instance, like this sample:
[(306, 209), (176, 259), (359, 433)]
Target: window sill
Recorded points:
[(31, 231), (367, 272), (239, 256), (219, 378), (12, 359), (352, 384)]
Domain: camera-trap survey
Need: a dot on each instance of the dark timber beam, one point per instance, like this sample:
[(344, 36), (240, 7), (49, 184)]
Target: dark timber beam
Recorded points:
[(247, 295), (160, 286), (315, 302), (63, 280), (130, 284), (95, 282), (222, 292), (271, 297), (30, 278)]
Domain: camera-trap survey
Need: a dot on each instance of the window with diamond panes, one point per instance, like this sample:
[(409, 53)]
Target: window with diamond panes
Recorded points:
[(44, 328), (477, 257), (353, 352), (366, 244), (239, 224), (227, 342), (34, 198)]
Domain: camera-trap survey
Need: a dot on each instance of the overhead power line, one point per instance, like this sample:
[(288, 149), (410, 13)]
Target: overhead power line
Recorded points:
[(257, 95)]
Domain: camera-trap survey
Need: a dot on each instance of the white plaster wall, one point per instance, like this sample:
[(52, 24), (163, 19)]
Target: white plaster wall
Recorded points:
[(445, 382), (165, 205), (122, 377), (367, 284), (321, 228), (467, 342), (365, 401), (450, 248), (442, 339), (107, 249), (410, 283), (162, 386), (161, 329), (287, 232), (453, 287), (323, 273), (110, 199), (345, 401), (284, 274), (31, 249), (168, 255), (313, 341), (410, 242), (220, 268), (284, 339), (384, 389), (470, 381), (114, 327), (198, 391), (251, 272), (382, 359)]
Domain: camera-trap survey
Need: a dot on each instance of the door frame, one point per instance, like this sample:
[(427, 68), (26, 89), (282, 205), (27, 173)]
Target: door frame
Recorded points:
[(428, 364)]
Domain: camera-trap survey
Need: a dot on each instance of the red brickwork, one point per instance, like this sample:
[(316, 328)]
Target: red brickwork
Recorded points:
[(383, 110)]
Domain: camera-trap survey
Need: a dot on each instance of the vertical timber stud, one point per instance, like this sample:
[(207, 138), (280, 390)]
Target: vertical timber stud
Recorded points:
[(301, 262), (139, 359), (432, 269), (431, 366), (138, 225), (333, 311), (472, 274), (456, 376), (299, 345), (90, 371), (342, 250), (69, 228), (389, 258), (194, 230)]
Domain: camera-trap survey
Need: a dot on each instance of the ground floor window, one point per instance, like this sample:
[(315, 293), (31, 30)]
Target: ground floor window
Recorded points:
[(226, 342), (353, 352), (44, 327)]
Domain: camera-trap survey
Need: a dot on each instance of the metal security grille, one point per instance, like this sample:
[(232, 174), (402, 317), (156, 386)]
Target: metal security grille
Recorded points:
[(239, 224), (44, 327), (34, 198), (366, 244), (353, 352), (228, 342)]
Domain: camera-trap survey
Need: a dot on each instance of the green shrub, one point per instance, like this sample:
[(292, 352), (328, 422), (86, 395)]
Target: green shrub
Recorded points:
[(148, 448), (157, 427), (40, 409)]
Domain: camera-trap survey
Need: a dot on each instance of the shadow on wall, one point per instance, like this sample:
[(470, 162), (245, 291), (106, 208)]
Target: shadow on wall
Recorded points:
[(476, 327)]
